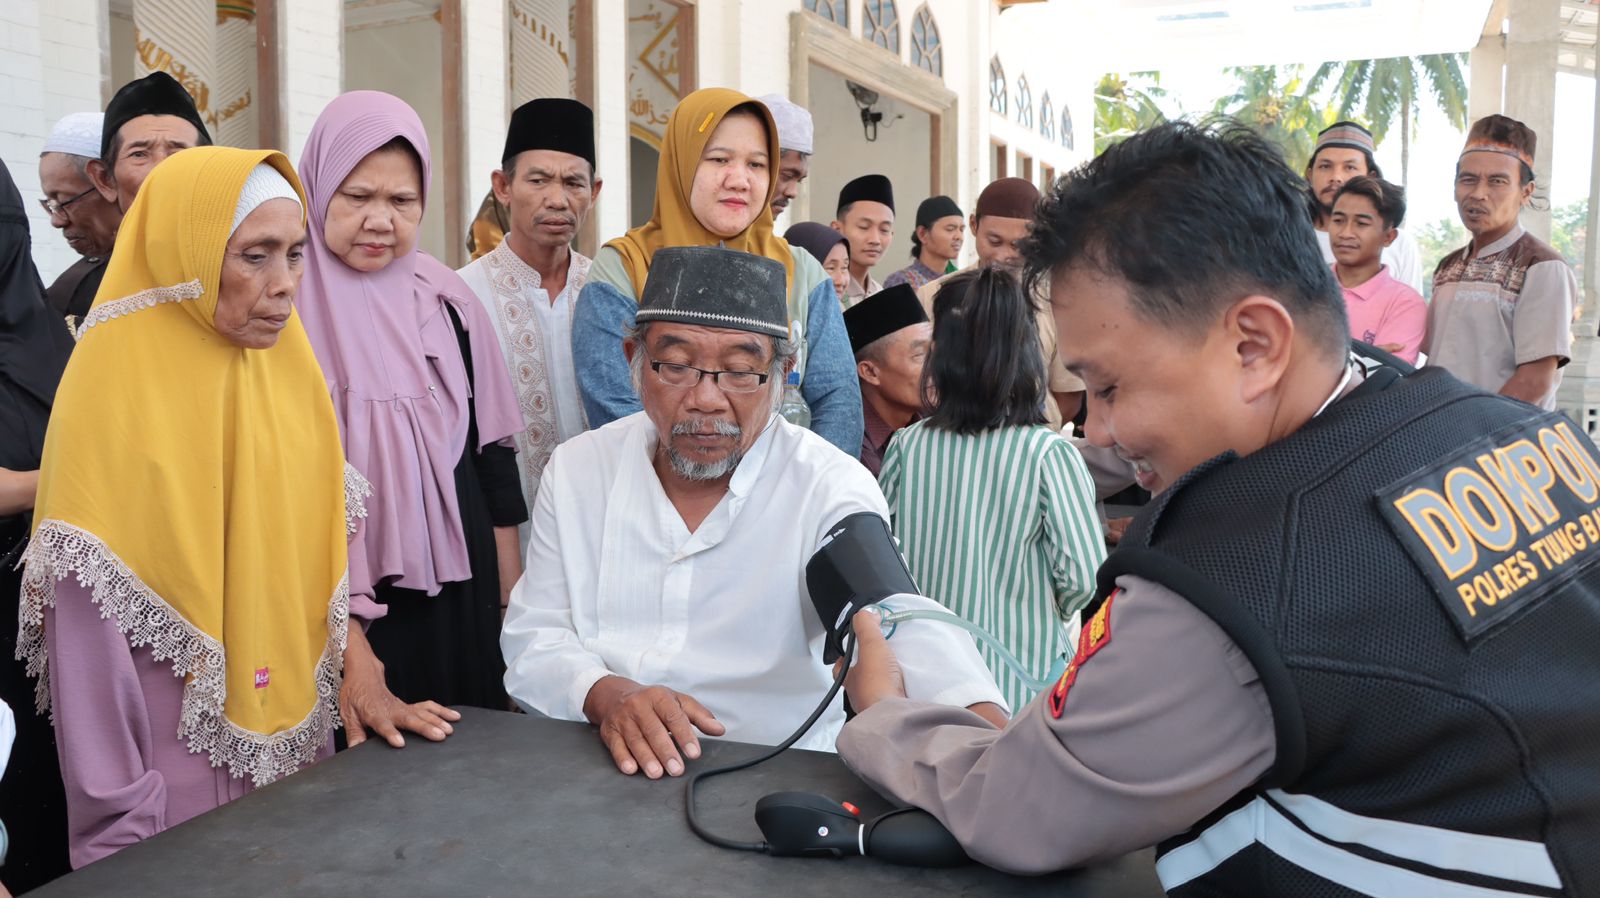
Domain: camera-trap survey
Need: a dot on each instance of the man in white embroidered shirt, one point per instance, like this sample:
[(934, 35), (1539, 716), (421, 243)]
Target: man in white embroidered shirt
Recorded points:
[(666, 592), (530, 282)]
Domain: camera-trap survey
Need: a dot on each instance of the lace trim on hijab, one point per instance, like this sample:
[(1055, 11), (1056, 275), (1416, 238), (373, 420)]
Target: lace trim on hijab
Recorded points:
[(357, 490), (144, 299), (59, 549)]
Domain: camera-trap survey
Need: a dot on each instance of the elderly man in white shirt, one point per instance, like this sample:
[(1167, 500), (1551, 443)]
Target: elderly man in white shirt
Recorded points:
[(666, 590)]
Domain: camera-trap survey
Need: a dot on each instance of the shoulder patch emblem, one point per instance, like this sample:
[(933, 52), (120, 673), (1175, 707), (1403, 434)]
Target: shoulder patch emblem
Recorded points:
[(1501, 523), (1094, 636)]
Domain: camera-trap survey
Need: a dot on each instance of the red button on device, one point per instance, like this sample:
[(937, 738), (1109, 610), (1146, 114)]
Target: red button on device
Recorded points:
[(852, 809)]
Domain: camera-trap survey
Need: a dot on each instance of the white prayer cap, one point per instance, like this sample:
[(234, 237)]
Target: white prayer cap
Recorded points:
[(794, 123), (77, 134), (264, 183)]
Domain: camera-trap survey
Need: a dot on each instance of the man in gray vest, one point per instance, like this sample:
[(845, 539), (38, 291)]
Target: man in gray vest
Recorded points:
[(1349, 646)]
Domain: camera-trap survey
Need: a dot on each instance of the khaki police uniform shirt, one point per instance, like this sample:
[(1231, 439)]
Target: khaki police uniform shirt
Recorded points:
[(1061, 380), (1508, 304), (1162, 723)]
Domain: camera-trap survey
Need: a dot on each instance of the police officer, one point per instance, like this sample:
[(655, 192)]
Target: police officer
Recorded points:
[(1350, 646)]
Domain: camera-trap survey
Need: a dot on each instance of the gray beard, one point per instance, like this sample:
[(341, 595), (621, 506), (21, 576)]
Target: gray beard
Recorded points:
[(703, 471)]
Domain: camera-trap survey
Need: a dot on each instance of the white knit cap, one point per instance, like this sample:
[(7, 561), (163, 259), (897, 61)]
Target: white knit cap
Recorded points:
[(794, 123), (77, 134), (265, 183)]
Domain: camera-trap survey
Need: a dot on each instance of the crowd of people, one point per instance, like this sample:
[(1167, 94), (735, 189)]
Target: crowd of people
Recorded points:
[(332, 488)]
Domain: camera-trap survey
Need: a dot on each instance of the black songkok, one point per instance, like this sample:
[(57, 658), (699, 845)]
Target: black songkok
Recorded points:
[(155, 94), (715, 287), (934, 208), (551, 123), (881, 314), (870, 189)]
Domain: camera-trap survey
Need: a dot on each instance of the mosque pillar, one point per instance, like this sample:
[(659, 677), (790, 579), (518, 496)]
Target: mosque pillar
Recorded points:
[(1532, 42)]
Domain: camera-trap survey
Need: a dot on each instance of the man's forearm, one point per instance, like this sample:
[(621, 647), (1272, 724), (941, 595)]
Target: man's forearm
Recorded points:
[(1532, 382)]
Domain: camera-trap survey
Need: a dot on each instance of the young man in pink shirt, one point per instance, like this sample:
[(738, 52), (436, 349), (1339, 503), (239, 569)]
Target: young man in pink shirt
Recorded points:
[(1383, 311)]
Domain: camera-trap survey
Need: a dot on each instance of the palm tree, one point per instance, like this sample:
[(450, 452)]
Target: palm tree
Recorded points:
[(1122, 108), (1387, 92), (1271, 100)]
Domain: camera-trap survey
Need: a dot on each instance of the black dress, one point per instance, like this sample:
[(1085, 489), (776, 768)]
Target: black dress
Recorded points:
[(446, 648), (34, 346)]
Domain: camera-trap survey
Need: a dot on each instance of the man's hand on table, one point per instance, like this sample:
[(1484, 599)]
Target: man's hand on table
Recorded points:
[(366, 702), (876, 674), (644, 726)]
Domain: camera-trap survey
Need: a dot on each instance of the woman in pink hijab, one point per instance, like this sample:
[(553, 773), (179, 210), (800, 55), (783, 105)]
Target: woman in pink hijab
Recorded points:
[(426, 411)]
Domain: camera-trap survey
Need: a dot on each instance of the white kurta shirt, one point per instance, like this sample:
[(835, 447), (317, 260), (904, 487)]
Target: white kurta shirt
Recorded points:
[(617, 584), (536, 339)]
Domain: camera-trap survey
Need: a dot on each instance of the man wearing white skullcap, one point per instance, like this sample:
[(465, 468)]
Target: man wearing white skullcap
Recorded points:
[(794, 144), (83, 216)]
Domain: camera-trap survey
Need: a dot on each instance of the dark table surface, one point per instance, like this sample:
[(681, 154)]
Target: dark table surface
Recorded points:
[(516, 805)]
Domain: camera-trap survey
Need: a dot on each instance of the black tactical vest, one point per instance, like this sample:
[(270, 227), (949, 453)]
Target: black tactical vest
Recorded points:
[(1413, 574)]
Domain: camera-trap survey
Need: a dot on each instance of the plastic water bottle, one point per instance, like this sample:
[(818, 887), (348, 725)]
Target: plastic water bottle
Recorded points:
[(794, 408)]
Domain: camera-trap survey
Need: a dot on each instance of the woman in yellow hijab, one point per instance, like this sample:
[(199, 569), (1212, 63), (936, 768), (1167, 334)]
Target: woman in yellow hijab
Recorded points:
[(714, 187), (187, 570)]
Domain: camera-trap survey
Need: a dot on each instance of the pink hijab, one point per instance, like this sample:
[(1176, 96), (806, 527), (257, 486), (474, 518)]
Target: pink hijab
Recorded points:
[(394, 366)]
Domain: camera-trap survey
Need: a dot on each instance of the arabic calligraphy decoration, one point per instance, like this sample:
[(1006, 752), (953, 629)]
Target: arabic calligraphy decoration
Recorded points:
[(542, 60), (655, 78)]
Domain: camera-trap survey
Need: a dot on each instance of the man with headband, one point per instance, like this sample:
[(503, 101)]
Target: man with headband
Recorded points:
[(1501, 317), (530, 280), (935, 243), (1344, 152), (794, 149), (1000, 223), (666, 586)]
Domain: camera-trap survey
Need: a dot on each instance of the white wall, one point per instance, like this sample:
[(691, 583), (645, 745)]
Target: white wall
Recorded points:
[(843, 153), (397, 59), (311, 33), (49, 66)]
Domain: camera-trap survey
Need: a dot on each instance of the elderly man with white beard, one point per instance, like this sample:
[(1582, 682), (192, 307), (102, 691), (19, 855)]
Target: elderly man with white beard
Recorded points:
[(666, 592)]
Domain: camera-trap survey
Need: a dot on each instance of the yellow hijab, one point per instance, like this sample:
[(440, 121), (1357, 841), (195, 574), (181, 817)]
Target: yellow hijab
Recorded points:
[(673, 222), (196, 488)]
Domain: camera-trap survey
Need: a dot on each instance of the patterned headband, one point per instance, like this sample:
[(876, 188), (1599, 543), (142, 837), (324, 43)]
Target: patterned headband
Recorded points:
[(1504, 149)]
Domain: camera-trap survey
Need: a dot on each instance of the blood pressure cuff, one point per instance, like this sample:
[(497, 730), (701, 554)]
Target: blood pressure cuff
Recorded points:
[(859, 563)]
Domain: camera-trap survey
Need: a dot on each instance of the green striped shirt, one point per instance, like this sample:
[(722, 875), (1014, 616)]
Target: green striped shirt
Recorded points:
[(1000, 528)]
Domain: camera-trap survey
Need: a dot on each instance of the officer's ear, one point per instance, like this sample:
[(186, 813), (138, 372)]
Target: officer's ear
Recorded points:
[(1262, 332)]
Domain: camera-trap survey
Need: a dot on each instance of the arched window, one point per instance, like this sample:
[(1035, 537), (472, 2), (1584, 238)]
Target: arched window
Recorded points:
[(1066, 126), (880, 24), (1047, 118), (927, 53), (997, 86), (835, 11), (1024, 102)]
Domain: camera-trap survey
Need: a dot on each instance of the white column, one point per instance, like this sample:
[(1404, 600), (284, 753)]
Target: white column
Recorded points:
[(311, 35), (1579, 394), (483, 103), (1530, 95), (611, 116), (1487, 64)]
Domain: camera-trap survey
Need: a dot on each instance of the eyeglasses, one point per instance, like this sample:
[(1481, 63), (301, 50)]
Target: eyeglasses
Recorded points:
[(689, 376), (55, 208)]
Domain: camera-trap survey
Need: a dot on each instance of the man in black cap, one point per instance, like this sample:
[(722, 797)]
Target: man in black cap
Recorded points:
[(669, 547), (890, 334), (935, 244), (148, 120), (866, 219), (530, 281)]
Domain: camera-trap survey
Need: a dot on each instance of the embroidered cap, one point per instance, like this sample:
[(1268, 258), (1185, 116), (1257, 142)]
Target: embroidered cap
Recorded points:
[(715, 287), (794, 123), (1504, 135), (1349, 135)]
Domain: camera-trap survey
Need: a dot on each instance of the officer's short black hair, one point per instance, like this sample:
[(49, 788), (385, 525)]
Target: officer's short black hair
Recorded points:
[(1192, 217)]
